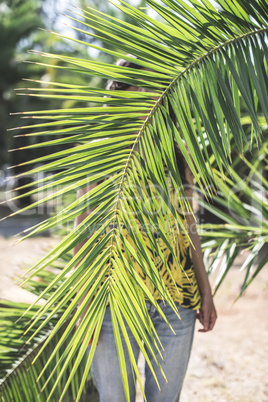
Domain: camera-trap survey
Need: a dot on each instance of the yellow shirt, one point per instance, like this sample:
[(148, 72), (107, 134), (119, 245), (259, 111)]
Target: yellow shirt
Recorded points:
[(185, 289)]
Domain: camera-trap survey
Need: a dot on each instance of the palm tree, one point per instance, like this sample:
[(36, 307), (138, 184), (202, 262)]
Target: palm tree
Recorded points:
[(207, 62)]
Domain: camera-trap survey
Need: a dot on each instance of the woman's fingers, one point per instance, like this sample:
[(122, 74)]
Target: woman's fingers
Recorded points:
[(213, 317), (207, 316), (204, 319)]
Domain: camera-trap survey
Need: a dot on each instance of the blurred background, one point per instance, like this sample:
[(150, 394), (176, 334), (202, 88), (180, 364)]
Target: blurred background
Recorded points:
[(227, 364), (25, 29)]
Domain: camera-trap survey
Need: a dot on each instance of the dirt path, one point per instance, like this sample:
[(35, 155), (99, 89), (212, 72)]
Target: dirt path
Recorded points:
[(13, 257), (228, 364)]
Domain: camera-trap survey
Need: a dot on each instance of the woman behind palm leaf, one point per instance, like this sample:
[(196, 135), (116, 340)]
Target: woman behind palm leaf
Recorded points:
[(186, 282)]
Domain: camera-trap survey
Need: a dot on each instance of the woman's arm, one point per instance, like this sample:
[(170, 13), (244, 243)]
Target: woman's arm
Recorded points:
[(207, 314)]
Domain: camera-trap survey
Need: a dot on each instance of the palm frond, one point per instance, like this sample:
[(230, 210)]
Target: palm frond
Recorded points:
[(242, 206), (18, 375), (207, 64)]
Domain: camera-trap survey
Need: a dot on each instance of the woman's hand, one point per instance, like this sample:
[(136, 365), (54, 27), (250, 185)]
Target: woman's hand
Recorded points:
[(207, 314)]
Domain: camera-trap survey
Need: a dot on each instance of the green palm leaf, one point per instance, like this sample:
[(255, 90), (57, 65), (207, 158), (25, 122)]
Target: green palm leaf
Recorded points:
[(210, 66), (18, 376), (245, 226)]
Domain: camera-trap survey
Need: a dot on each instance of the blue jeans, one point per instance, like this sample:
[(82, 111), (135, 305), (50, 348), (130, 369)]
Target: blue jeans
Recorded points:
[(105, 365)]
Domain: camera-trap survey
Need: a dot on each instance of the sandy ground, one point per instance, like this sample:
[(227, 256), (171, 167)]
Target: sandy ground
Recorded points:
[(228, 364)]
